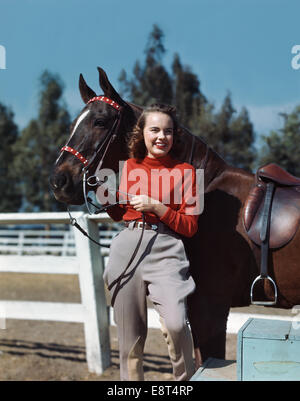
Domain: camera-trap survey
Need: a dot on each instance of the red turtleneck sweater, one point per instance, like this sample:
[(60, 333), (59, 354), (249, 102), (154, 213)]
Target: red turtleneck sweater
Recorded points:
[(171, 182)]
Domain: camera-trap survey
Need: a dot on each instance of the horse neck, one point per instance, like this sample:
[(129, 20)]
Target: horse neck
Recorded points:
[(196, 152), (135, 110), (131, 115)]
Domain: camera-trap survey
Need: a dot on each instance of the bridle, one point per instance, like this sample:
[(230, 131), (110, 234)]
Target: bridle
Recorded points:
[(108, 140)]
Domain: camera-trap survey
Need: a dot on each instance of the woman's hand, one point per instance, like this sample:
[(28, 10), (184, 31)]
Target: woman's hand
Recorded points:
[(143, 203)]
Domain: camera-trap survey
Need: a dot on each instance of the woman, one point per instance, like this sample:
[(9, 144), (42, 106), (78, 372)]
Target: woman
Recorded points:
[(154, 179)]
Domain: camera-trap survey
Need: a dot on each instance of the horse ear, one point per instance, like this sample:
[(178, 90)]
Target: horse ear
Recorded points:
[(107, 87), (85, 91)]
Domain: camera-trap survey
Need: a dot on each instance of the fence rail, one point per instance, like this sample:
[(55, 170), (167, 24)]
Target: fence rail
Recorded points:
[(21, 241), (58, 242), (88, 264)]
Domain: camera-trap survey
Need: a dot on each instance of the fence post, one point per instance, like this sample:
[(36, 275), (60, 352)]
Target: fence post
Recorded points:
[(20, 243), (96, 326)]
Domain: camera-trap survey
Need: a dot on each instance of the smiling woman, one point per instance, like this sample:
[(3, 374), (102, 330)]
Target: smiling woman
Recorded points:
[(159, 267)]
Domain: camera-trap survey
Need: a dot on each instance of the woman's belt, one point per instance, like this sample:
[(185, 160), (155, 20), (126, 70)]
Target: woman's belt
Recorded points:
[(139, 224)]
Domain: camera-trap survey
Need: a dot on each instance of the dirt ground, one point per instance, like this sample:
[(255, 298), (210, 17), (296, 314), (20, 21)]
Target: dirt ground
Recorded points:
[(43, 351)]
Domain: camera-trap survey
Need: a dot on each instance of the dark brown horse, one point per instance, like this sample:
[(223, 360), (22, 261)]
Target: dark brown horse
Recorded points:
[(224, 261)]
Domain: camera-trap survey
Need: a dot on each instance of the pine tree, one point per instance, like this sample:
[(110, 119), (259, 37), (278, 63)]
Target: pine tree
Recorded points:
[(37, 147), (188, 99), (283, 146), (229, 135), (151, 81), (240, 148), (10, 200), (195, 112), (222, 134)]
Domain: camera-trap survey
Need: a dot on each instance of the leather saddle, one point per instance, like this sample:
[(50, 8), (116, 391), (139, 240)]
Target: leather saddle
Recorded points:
[(271, 216), (284, 207)]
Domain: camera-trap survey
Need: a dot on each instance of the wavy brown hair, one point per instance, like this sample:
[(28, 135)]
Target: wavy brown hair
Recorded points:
[(135, 139)]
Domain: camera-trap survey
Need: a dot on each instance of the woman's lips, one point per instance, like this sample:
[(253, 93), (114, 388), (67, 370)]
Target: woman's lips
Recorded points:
[(160, 145)]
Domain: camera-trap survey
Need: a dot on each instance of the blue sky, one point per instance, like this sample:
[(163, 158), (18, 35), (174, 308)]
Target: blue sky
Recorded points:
[(241, 46)]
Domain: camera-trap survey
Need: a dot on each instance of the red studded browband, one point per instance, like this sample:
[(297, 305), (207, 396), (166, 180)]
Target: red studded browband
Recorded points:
[(106, 100)]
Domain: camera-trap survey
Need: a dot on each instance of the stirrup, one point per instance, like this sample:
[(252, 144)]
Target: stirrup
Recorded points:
[(266, 303)]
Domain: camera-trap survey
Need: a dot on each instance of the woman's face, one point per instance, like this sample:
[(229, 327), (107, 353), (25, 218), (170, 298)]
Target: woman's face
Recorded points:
[(158, 134)]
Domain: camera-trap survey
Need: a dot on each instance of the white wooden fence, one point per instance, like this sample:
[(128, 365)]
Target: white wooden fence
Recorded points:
[(88, 264)]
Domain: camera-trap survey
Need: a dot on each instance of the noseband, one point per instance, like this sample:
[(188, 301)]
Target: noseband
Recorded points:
[(110, 137), (74, 152)]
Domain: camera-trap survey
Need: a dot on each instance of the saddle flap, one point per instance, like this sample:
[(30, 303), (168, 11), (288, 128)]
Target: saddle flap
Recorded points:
[(285, 215), (252, 204)]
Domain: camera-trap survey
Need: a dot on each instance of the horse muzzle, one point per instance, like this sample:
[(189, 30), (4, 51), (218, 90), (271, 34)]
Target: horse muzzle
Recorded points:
[(64, 189)]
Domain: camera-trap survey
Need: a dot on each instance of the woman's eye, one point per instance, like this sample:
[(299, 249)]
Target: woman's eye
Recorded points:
[(99, 123)]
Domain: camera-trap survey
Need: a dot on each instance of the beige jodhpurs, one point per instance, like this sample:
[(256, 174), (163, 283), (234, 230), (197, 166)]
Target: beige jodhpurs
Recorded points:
[(160, 271)]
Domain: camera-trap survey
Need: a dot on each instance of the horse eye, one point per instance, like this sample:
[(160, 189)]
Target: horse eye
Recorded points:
[(99, 123)]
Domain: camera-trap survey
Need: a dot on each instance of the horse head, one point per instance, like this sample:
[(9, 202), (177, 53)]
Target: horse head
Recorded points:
[(92, 138)]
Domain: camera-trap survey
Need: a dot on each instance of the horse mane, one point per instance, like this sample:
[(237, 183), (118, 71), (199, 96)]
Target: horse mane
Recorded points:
[(201, 141)]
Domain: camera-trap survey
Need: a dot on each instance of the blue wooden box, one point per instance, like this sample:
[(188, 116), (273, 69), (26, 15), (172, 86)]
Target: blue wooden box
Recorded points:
[(268, 350), (215, 369)]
